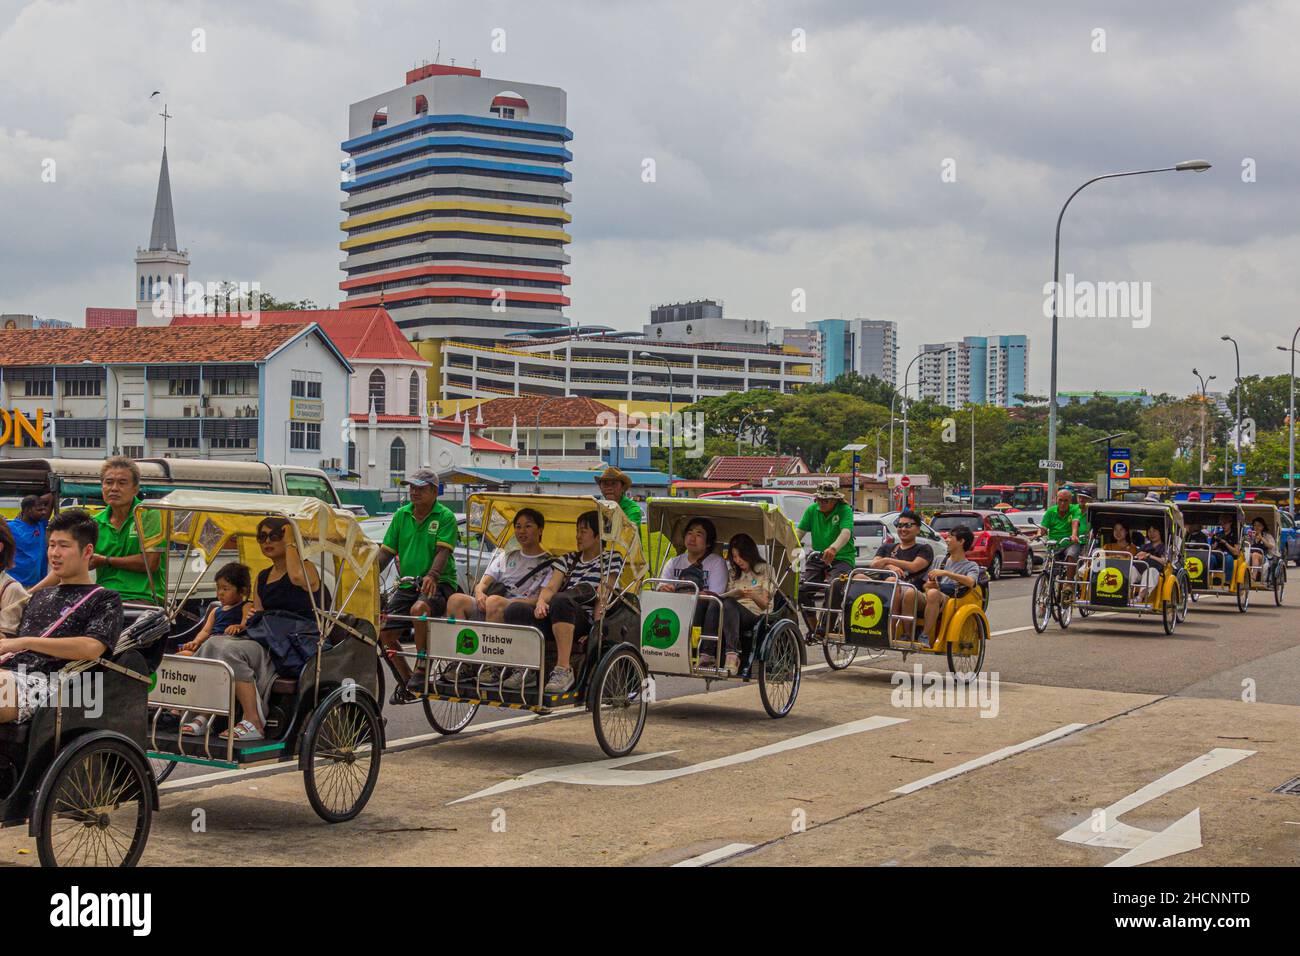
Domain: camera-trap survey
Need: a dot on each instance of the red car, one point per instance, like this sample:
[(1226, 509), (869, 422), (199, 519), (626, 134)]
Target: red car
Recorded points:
[(998, 545)]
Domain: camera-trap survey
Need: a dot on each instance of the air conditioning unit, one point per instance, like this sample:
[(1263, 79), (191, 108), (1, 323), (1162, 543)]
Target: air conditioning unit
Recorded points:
[(186, 411)]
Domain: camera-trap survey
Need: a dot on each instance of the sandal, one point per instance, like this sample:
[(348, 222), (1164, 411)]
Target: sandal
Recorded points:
[(196, 727), (244, 730)]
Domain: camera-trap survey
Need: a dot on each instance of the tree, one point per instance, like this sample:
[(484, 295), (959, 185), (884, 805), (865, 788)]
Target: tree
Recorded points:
[(869, 388), (269, 303), (1266, 399)]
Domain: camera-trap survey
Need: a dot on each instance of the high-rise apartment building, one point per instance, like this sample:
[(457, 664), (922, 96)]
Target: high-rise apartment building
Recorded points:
[(985, 370), (868, 347)]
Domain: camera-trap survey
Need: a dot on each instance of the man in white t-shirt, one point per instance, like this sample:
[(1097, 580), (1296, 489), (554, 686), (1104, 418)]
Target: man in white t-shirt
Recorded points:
[(520, 571)]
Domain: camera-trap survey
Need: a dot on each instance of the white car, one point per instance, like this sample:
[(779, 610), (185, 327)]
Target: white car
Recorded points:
[(792, 504), (467, 553), (1030, 524), (870, 531)]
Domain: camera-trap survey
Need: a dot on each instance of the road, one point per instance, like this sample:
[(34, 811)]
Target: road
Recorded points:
[(1109, 743)]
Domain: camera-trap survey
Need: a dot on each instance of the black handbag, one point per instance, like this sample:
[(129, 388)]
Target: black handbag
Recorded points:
[(290, 640)]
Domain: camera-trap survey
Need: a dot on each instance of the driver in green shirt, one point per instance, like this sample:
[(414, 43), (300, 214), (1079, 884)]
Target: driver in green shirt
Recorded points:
[(422, 537), (614, 486), (1064, 528), (828, 525), (119, 562)]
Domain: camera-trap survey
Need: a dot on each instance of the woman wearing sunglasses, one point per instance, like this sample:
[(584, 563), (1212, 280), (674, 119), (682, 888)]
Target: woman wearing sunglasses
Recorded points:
[(282, 601)]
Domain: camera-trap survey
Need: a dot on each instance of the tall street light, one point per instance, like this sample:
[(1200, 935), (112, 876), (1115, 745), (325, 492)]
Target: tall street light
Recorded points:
[(1290, 472), (1204, 381), (1237, 353), (1195, 165), (740, 429), (906, 373), (651, 357)]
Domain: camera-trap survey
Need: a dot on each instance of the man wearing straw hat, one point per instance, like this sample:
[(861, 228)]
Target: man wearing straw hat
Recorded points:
[(828, 524), (614, 485)]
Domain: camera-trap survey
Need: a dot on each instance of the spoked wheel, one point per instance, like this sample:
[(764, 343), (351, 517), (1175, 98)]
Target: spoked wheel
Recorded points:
[(95, 807), (341, 749), (1279, 582), (839, 656), (966, 653), (779, 673), (162, 769), (1064, 611), (619, 702), (1184, 591), (1041, 606), (1169, 609), (1243, 596), (448, 718)]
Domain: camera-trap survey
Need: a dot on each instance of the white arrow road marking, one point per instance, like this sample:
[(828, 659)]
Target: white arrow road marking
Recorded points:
[(1144, 846), (721, 853), (987, 759), (604, 773)]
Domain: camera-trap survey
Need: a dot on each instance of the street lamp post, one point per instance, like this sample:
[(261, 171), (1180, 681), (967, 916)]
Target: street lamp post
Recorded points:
[(906, 373), (1237, 353), (1290, 472), (1204, 381), (1196, 165), (668, 365), (740, 429)]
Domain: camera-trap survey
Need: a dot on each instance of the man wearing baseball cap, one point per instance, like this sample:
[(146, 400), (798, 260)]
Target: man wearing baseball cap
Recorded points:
[(614, 485), (827, 525), (422, 537)]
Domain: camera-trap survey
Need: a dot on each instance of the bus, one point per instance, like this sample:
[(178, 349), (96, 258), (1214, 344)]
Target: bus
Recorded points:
[(988, 497), (1030, 496)]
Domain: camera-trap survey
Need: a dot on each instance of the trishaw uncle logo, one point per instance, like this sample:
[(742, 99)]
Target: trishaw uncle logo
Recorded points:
[(866, 611), (1109, 581), (1195, 568), (466, 641), (661, 629)]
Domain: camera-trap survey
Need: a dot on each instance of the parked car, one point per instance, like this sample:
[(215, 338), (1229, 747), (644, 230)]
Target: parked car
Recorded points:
[(1290, 543), (792, 503), (998, 546), (1030, 525), (870, 531), (468, 553)]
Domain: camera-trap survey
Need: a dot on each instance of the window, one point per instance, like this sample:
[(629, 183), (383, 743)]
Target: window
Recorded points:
[(232, 443), (414, 395), (86, 442), (304, 436), (42, 386), (397, 458), (191, 442), (309, 486), (352, 456), (182, 386), (305, 385), (378, 396), (133, 451), (229, 386), (83, 388)]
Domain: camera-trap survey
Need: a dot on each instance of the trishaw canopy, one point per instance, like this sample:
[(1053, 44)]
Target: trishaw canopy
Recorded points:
[(667, 518), (492, 516), (212, 525), (1267, 513), (1213, 512)]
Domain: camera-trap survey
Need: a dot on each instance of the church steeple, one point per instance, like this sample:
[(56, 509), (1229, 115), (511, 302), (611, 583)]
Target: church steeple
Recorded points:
[(163, 235)]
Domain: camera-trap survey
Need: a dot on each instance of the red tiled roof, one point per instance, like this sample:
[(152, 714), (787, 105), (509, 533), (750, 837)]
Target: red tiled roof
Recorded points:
[(476, 442), (752, 467), (109, 318), (559, 413), (161, 344), (358, 333)]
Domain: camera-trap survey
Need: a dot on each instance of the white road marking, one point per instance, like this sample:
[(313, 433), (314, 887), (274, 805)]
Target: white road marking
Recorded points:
[(1030, 627), (721, 853), (987, 759), (1144, 846), (605, 773)]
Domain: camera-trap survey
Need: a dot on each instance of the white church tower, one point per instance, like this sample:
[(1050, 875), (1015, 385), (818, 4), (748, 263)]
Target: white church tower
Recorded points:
[(162, 269)]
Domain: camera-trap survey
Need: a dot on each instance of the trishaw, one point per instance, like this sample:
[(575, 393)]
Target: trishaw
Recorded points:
[(76, 772), (1106, 578), (1206, 562), (771, 651), (326, 716), (863, 612), (610, 674), (1270, 573)]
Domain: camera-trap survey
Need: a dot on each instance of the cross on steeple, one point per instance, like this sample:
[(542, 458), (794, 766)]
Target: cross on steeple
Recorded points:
[(165, 117)]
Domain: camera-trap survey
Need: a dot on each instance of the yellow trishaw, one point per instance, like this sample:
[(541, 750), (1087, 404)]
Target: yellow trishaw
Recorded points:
[(1213, 527), (1265, 567)]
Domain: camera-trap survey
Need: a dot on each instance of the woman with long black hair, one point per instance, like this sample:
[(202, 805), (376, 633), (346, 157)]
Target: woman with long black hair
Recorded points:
[(750, 586)]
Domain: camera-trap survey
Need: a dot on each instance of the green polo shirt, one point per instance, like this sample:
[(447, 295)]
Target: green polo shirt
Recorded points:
[(123, 542), (416, 543), (1058, 527), (631, 509), (825, 528)]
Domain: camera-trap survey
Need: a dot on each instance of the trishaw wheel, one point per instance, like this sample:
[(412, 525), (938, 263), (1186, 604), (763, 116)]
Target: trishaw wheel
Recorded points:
[(839, 656), (966, 653), (1169, 610), (1065, 611), (984, 597), (1243, 596), (342, 751), (619, 702), (779, 673), (97, 809), (1041, 605), (447, 717), (162, 769), (1279, 583)]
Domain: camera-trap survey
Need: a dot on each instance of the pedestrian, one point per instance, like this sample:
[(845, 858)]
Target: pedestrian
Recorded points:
[(31, 563)]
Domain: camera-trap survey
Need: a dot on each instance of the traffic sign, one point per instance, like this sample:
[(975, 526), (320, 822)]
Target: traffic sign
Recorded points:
[(1239, 469), (536, 471), (1051, 464), (1289, 477), (905, 481), (1119, 468)]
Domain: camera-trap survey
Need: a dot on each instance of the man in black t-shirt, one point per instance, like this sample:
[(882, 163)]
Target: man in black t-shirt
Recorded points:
[(74, 620), (911, 559)]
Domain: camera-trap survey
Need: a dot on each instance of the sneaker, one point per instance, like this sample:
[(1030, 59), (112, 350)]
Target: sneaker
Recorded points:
[(561, 679), (733, 663), (451, 673), (924, 640), (514, 680), (489, 676), (415, 684), (706, 660)]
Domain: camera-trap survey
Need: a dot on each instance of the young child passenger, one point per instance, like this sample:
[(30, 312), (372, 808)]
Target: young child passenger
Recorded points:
[(234, 584)]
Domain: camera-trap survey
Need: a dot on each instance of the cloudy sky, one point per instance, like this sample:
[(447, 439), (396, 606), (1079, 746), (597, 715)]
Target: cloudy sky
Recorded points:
[(785, 160)]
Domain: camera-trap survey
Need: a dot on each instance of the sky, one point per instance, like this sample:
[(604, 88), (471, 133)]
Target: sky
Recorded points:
[(902, 161)]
